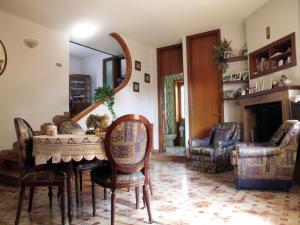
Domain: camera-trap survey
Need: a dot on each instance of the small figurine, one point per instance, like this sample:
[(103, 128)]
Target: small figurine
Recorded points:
[(275, 84)]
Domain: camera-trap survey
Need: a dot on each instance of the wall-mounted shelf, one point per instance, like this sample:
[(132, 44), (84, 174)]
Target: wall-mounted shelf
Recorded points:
[(235, 82), (237, 58), (267, 59)]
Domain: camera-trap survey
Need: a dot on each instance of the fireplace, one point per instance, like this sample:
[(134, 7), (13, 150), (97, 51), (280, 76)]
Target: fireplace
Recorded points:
[(263, 112), (266, 119)]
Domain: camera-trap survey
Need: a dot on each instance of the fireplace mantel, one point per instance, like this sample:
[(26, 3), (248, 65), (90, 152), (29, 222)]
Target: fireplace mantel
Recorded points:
[(282, 95)]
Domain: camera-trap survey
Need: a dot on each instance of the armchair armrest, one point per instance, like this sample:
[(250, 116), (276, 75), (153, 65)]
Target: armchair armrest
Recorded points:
[(200, 142), (225, 144), (253, 152)]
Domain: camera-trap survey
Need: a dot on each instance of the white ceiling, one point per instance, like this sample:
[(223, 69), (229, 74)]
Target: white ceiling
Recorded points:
[(153, 22)]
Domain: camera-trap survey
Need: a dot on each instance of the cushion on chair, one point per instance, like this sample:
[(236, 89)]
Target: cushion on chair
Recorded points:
[(221, 135), (103, 175), (47, 175)]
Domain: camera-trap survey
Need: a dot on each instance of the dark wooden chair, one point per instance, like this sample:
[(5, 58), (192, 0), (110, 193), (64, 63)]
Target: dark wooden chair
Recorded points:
[(71, 127), (31, 175), (128, 144)]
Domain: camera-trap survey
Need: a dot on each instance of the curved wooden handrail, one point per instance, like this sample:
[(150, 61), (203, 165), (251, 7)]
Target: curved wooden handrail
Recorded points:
[(127, 54)]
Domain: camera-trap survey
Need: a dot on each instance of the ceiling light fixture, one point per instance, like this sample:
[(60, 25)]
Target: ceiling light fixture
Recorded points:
[(83, 31)]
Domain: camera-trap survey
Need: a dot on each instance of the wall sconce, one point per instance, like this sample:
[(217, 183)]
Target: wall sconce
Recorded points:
[(31, 43)]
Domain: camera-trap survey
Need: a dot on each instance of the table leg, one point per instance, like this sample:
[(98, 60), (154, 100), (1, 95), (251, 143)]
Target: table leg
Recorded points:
[(69, 191)]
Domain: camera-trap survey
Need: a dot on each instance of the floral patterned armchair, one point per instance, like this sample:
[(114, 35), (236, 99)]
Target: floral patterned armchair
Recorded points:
[(268, 165), (212, 154)]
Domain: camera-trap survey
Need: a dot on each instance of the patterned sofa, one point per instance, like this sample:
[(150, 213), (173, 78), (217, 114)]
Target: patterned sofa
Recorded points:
[(268, 165), (212, 154)]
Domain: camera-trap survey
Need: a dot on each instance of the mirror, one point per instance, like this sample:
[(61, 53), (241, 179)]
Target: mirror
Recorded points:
[(91, 68), (3, 58)]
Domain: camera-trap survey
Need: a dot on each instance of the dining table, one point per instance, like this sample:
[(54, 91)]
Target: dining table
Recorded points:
[(64, 149)]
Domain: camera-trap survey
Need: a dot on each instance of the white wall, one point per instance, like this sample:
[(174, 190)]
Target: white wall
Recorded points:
[(91, 65), (32, 86), (75, 65), (143, 102), (283, 18)]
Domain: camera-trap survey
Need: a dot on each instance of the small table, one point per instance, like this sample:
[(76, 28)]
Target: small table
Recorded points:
[(64, 149)]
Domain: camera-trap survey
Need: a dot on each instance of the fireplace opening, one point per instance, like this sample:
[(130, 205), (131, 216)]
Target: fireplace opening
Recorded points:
[(266, 119)]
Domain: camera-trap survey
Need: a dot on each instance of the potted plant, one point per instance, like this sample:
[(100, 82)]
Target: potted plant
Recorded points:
[(220, 51), (106, 95)]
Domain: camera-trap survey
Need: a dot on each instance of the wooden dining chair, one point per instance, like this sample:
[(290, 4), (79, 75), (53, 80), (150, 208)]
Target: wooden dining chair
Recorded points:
[(71, 127), (128, 143), (31, 175)]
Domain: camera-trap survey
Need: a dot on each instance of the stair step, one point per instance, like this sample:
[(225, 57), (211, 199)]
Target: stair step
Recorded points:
[(9, 177)]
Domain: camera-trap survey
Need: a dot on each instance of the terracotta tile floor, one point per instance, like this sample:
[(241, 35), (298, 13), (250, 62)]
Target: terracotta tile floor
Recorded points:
[(181, 196)]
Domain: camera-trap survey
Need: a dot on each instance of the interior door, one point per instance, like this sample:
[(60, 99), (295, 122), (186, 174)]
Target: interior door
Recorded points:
[(204, 84)]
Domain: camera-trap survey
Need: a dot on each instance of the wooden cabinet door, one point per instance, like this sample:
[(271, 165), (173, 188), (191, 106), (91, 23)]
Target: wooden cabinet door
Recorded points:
[(204, 81)]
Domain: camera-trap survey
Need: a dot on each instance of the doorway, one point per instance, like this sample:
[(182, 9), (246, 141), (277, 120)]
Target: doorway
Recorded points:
[(174, 114)]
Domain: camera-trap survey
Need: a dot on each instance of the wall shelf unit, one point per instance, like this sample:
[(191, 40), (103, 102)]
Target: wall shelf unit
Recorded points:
[(276, 56)]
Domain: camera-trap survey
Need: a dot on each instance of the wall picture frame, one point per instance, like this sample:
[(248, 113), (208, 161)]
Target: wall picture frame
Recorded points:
[(137, 65), (236, 76), (136, 86), (147, 78), (245, 75)]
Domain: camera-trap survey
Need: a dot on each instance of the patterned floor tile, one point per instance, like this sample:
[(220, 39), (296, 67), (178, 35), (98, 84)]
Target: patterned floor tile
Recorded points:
[(181, 197)]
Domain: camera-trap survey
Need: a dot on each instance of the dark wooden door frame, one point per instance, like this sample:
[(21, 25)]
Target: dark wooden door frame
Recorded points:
[(161, 97), (188, 39)]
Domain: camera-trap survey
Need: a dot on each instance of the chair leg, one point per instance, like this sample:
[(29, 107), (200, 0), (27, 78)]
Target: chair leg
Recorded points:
[(30, 198), (21, 197), (50, 195), (62, 203), (80, 173), (93, 198), (76, 173), (137, 197), (147, 199), (150, 185), (105, 193), (113, 205)]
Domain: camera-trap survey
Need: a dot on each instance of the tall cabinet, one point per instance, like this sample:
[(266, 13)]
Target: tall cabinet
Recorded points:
[(79, 93)]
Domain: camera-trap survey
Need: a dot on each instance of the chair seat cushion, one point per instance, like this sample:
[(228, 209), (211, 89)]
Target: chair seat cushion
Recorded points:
[(44, 176), (103, 175), (203, 151)]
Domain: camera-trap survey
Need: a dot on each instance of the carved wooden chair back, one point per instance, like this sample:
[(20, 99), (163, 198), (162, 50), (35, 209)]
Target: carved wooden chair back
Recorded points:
[(25, 143), (128, 144)]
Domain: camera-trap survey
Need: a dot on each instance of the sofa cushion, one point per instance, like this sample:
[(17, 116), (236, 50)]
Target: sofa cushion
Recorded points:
[(221, 135)]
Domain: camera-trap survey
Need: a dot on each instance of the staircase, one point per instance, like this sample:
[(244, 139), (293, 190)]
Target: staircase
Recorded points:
[(9, 159)]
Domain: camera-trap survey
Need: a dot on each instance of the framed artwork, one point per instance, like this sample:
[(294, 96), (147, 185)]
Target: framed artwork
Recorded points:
[(147, 78), (245, 75), (136, 87), (228, 94), (137, 65), (236, 76), (252, 90), (227, 54)]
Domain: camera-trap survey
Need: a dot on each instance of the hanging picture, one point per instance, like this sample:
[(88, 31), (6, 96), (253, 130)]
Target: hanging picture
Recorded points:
[(136, 87), (137, 65), (147, 77)]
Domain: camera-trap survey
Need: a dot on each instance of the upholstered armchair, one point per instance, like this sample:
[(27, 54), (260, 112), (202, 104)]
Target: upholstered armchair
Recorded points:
[(268, 165), (212, 154)]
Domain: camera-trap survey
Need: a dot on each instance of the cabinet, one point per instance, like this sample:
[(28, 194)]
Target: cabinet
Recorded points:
[(276, 56), (79, 92)]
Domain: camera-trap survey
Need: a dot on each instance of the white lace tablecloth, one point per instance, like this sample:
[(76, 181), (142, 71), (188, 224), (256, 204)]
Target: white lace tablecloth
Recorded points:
[(68, 147)]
